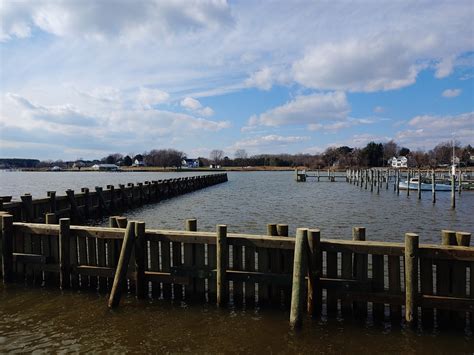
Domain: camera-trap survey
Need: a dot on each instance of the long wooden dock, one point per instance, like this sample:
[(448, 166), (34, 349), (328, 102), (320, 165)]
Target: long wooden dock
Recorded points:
[(84, 205), (411, 282)]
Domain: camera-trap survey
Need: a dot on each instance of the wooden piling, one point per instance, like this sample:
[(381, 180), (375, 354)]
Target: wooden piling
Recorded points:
[(460, 182), (64, 265), (7, 248), (411, 277), (419, 185), (190, 226), (444, 279), (27, 208), (433, 186), (122, 266), (140, 260), (315, 299), (459, 279), (408, 182), (222, 257), (453, 191), (360, 270), (299, 272)]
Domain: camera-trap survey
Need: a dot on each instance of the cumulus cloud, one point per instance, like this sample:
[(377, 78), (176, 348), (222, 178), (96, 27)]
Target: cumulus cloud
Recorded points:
[(444, 67), (147, 98), (450, 93), (262, 79), (427, 131), (310, 109), (196, 107), (124, 19), (358, 65)]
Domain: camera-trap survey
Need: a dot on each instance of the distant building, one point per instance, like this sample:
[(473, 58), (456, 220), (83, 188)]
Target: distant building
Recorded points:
[(105, 167), (138, 163), (55, 168), (190, 163), (400, 162)]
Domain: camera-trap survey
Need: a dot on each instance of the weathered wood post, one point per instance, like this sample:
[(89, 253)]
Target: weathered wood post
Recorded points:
[(444, 279), (7, 248), (408, 182), (433, 186), (122, 266), (387, 179), (299, 272), (64, 260), (397, 182), (411, 277), (360, 268), (366, 178), (87, 202), (460, 182), (50, 218), (378, 182), (222, 257), (459, 279), (453, 191), (140, 260), (27, 207), (314, 302), (419, 185), (52, 201)]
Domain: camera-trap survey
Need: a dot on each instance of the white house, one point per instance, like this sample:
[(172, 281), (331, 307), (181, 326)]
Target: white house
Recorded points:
[(138, 163), (105, 167), (190, 163), (400, 162)]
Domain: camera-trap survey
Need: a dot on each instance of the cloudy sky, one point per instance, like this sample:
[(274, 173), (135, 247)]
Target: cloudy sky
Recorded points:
[(91, 77)]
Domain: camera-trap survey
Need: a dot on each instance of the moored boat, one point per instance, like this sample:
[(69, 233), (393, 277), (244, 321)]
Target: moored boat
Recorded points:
[(413, 185)]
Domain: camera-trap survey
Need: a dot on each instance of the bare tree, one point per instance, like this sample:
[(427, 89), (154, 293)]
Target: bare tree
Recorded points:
[(216, 156), (241, 154)]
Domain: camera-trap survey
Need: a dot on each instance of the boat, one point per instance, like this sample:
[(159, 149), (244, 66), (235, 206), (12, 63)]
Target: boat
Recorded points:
[(425, 186)]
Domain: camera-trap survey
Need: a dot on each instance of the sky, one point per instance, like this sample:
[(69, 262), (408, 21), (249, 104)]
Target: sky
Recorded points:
[(83, 79)]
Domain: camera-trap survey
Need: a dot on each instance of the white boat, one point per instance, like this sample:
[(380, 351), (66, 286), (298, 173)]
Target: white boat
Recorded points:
[(413, 185)]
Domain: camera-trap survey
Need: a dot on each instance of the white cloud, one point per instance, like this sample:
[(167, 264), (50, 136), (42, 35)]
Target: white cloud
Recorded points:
[(262, 79), (450, 93), (190, 103), (444, 67), (427, 131), (196, 107), (358, 65), (147, 98), (310, 109), (124, 19)]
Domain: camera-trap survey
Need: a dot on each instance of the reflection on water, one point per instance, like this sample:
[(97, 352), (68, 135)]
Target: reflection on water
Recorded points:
[(48, 320)]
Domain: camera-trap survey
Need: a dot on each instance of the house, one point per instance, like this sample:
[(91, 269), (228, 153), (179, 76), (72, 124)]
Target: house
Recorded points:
[(400, 162), (190, 163), (105, 167), (138, 163)]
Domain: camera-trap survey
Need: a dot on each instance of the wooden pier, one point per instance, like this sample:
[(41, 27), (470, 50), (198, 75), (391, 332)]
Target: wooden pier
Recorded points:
[(84, 205), (378, 179), (431, 285), (320, 176)]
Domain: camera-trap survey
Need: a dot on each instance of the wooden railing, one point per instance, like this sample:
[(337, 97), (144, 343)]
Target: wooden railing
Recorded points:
[(351, 278), (80, 206)]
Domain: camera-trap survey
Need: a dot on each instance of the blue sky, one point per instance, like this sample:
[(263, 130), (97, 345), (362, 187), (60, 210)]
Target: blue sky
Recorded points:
[(82, 79)]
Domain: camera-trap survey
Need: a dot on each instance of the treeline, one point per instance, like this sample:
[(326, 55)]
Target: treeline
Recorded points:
[(372, 155)]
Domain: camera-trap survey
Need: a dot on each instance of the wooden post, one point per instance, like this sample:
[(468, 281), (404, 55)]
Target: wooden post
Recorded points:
[(378, 182), (27, 207), (387, 179), (87, 202), (222, 257), (453, 191), (411, 277), (459, 279), (419, 184), (314, 301), (444, 279), (397, 182), (299, 272), (52, 201), (50, 218), (408, 182), (7, 248), (371, 180), (360, 268), (460, 182), (433, 186), (64, 264), (122, 266), (140, 260)]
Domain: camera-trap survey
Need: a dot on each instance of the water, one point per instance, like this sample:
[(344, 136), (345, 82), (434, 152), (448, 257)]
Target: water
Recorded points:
[(50, 320)]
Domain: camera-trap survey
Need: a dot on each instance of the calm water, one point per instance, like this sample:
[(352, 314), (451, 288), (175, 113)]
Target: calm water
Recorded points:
[(49, 320)]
